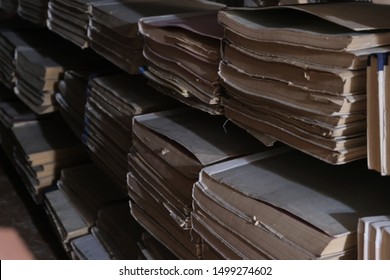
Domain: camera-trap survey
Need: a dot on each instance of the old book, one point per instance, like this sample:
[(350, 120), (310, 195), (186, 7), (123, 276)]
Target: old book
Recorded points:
[(41, 149), (65, 218), (330, 58), (186, 48), (115, 22), (113, 100), (303, 75), (363, 234), (34, 11), (39, 71), (325, 26), (10, 40), (278, 205), (373, 109), (87, 247), (169, 150), (299, 100), (378, 76), (334, 150), (70, 19), (160, 233)]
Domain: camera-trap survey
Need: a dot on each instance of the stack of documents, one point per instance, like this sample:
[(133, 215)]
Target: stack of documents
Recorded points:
[(39, 70), (283, 204), (70, 18), (182, 53), (10, 40), (111, 104), (41, 149), (34, 11), (113, 28), (298, 74), (169, 150)]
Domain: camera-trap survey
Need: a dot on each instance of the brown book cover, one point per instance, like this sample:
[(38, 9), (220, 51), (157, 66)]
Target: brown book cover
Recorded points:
[(324, 212)]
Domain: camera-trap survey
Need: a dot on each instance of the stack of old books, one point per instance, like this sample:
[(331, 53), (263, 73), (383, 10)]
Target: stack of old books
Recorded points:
[(298, 74), (34, 11), (373, 238), (111, 103), (182, 53), (39, 70), (12, 113), (72, 93), (113, 28), (284, 205), (82, 192), (169, 150), (70, 18), (10, 40), (40, 149)]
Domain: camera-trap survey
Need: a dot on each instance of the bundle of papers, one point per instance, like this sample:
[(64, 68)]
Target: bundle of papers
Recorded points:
[(38, 72), (182, 53), (111, 104), (169, 150), (34, 11), (70, 18), (298, 74), (284, 205), (42, 148), (10, 40), (113, 28)]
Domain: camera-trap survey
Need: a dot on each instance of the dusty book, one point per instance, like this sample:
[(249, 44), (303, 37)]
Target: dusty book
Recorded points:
[(185, 48), (283, 199), (325, 26)]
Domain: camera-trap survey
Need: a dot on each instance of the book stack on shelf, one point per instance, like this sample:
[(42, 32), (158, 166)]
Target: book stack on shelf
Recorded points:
[(42, 148), (12, 113), (73, 207), (297, 74), (113, 28), (169, 150), (182, 53), (11, 39), (34, 11), (70, 19), (266, 206), (111, 104), (38, 72)]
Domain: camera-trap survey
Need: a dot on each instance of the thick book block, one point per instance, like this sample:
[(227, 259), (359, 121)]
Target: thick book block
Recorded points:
[(296, 207)]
